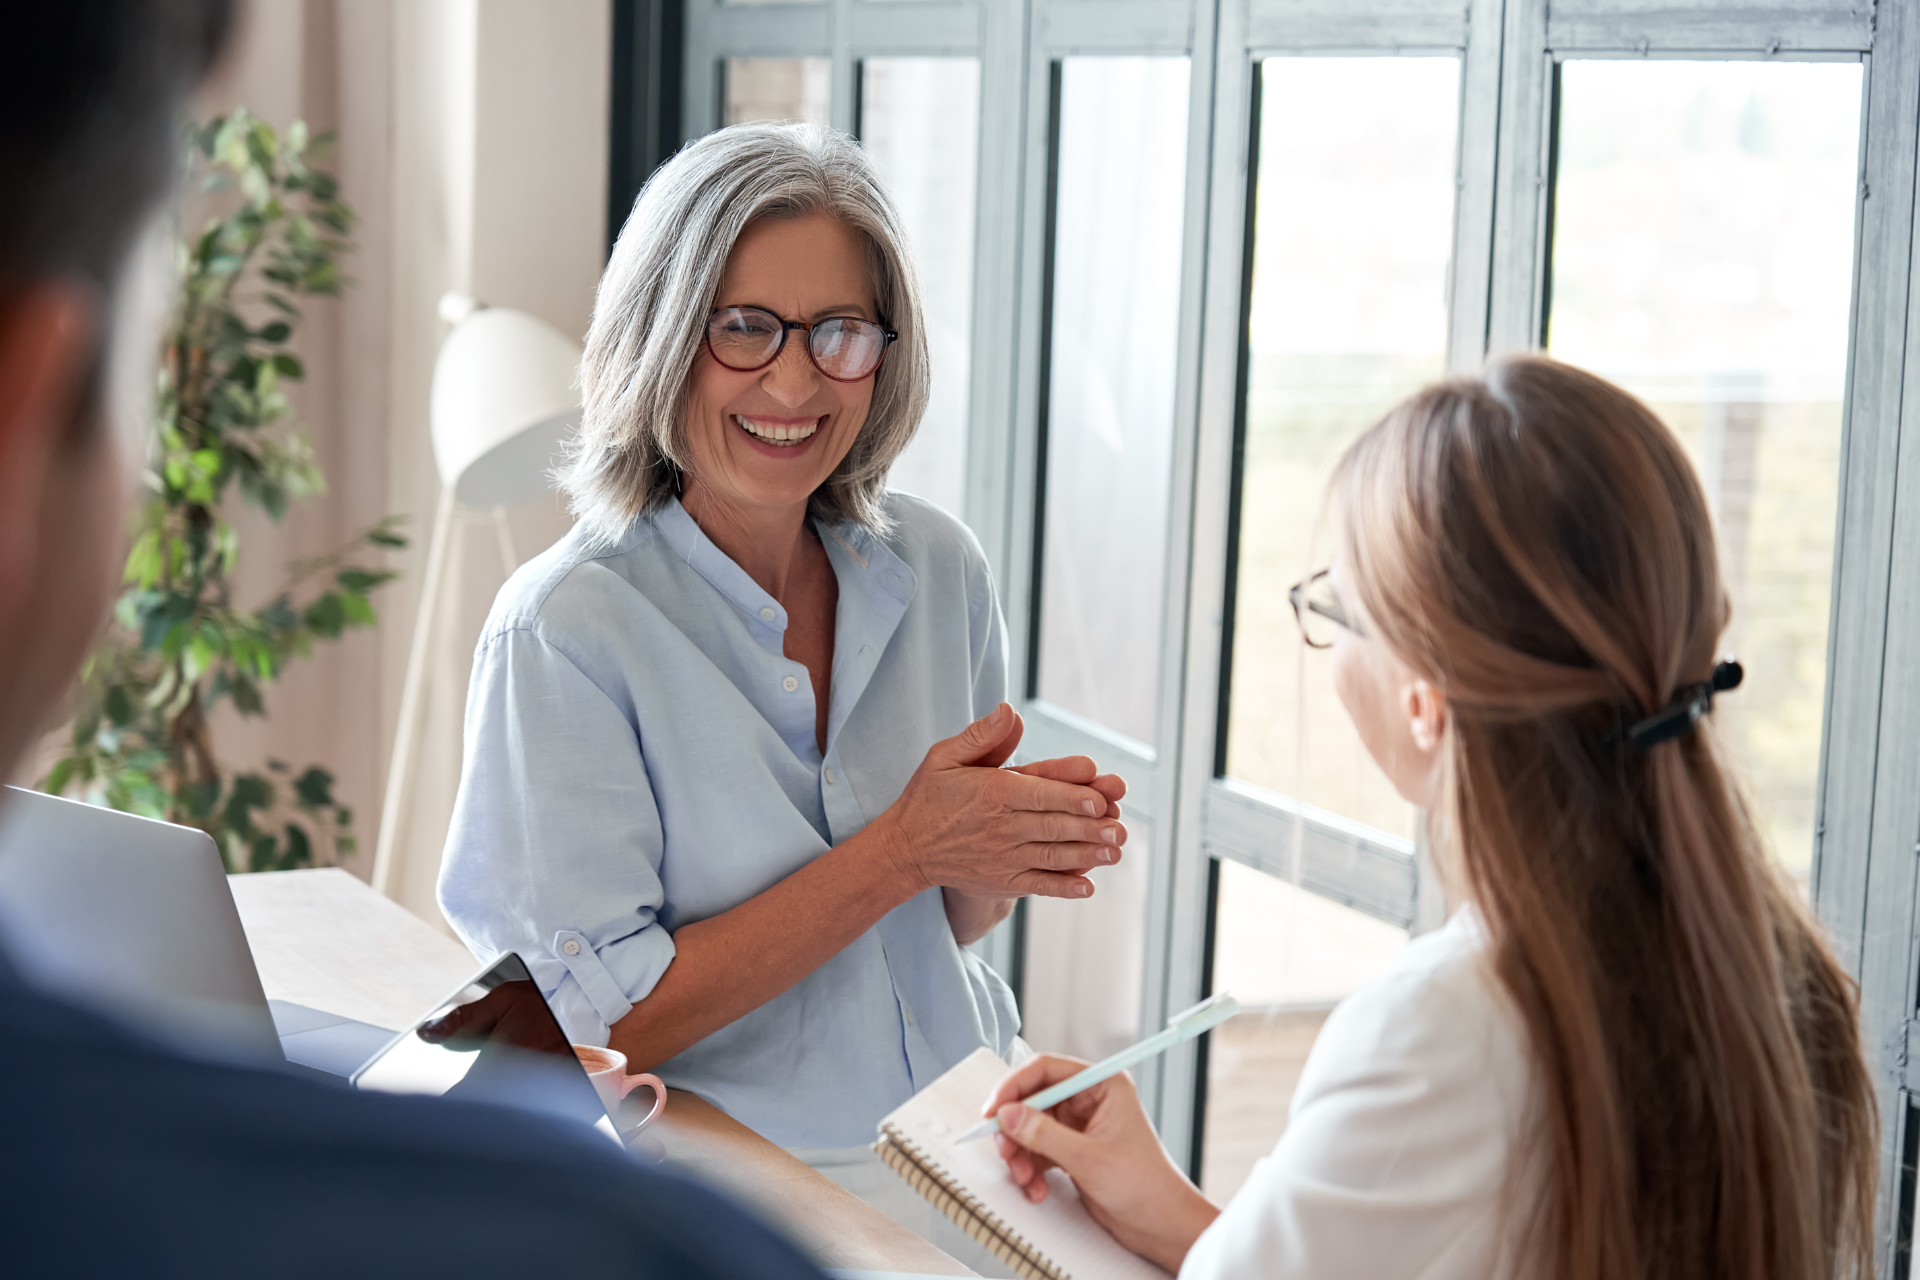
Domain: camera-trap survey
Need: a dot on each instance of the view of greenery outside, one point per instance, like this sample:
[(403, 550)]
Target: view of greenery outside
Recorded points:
[(1353, 233), (1287, 731), (1702, 257)]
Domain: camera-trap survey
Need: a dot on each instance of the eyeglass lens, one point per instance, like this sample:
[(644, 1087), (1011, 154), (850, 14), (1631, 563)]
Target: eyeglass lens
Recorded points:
[(844, 348)]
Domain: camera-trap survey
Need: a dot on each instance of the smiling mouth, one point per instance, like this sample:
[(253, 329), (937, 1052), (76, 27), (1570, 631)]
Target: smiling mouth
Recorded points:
[(777, 433)]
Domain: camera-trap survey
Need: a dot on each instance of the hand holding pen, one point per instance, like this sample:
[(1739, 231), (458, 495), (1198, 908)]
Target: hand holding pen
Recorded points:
[(1100, 1136)]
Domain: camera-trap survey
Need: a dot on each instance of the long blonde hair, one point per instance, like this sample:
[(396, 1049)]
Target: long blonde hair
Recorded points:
[(1535, 543)]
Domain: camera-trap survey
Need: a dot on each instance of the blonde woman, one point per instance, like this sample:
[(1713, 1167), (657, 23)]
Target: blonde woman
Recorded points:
[(730, 785), (1630, 1051)]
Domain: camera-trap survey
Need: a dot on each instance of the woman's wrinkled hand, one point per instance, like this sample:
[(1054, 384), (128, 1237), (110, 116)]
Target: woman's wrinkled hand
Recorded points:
[(1081, 771), (1102, 1139), (966, 824)]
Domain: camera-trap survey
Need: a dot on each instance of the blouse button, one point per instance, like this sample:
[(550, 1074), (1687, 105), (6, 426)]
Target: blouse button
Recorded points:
[(790, 684), (767, 614), (571, 946)]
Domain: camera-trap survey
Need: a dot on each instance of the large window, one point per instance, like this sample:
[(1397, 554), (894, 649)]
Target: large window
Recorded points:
[(1112, 335), (1119, 158), (1347, 313), (920, 120), (777, 89), (1702, 256), (1352, 234), (1177, 252), (1288, 956)]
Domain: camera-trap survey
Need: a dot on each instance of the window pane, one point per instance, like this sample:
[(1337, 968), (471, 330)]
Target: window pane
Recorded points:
[(1118, 209), (1353, 233), (1288, 956), (1703, 258), (1085, 960), (778, 89), (920, 121)]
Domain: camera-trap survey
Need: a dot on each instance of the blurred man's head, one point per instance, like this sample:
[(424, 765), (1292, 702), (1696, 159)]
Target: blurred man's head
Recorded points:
[(91, 92)]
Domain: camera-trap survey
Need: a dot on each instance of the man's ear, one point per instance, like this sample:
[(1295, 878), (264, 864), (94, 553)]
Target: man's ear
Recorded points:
[(47, 336), (1426, 710)]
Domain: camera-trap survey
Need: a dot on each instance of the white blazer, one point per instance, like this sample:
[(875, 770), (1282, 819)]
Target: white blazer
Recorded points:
[(1399, 1138)]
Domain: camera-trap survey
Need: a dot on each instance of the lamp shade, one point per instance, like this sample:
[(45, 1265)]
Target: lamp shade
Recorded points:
[(503, 403)]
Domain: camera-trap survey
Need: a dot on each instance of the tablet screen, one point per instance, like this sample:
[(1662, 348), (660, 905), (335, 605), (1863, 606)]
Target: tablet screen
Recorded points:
[(494, 1040)]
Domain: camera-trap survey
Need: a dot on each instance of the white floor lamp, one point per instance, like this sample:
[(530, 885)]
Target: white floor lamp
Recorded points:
[(504, 400)]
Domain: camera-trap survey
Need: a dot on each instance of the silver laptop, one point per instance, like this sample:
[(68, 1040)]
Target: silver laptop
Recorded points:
[(133, 918)]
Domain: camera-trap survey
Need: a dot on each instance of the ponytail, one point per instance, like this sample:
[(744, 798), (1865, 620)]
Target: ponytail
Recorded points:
[(1536, 543)]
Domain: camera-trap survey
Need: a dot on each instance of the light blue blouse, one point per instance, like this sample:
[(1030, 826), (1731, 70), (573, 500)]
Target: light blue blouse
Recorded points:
[(640, 754)]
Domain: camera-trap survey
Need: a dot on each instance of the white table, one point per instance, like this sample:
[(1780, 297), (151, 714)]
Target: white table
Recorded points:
[(325, 940)]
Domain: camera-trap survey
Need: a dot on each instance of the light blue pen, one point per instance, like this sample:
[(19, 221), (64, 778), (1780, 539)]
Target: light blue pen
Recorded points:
[(1209, 1013)]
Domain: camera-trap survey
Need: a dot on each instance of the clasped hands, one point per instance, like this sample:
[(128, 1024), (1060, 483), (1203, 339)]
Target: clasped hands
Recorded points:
[(968, 825)]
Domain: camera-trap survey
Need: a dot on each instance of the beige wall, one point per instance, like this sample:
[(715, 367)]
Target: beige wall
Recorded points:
[(473, 143)]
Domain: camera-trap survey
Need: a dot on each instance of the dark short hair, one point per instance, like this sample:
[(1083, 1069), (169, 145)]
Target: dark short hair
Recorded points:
[(90, 97)]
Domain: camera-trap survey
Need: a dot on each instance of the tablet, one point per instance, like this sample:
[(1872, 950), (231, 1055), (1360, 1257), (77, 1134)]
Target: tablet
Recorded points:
[(494, 1041)]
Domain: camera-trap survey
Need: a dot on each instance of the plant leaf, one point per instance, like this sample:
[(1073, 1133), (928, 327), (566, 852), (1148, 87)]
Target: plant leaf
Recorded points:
[(246, 697), (359, 612), (362, 580), (119, 707), (315, 788), (299, 849), (326, 616)]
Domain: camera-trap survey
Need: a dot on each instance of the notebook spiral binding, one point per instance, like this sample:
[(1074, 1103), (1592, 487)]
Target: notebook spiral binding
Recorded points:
[(924, 1175)]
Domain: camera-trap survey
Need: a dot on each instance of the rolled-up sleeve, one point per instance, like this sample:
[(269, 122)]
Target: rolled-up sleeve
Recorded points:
[(556, 844)]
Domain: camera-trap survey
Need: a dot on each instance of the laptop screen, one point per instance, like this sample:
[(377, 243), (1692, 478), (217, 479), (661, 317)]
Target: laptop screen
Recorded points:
[(494, 1040)]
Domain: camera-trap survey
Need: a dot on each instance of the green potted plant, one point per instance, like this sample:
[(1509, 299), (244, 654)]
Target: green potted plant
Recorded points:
[(141, 738)]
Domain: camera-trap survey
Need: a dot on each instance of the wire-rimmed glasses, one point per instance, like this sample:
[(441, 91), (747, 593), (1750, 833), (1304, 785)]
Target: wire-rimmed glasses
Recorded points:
[(1318, 610), (844, 348)]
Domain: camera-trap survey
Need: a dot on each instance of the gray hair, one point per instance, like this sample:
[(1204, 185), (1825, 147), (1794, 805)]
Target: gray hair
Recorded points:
[(650, 318)]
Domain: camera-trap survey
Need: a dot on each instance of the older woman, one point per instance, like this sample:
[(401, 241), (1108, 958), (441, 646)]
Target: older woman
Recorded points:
[(730, 784)]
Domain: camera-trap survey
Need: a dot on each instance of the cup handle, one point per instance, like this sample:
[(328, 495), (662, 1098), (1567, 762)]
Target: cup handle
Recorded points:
[(629, 1083)]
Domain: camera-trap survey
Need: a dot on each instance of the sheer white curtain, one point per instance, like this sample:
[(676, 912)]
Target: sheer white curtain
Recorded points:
[(472, 141)]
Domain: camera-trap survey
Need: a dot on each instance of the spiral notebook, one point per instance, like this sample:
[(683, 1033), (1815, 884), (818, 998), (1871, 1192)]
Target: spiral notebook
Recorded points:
[(1054, 1240)]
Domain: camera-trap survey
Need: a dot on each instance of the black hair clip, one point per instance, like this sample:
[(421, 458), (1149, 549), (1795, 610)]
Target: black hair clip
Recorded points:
[(1688, 705)]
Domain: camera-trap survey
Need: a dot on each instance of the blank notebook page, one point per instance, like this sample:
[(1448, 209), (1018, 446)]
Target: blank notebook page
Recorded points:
[(1059, 1229)]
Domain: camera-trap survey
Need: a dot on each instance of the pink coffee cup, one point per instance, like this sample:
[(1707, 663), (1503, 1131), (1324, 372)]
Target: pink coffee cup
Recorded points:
[(607, 1068)]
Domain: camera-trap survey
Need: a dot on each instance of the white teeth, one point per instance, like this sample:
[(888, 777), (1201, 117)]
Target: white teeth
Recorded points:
[(777, 435)]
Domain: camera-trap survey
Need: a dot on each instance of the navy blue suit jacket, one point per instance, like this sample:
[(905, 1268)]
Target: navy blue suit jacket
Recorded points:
[(119, 1157)]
